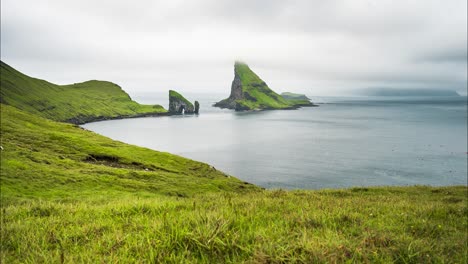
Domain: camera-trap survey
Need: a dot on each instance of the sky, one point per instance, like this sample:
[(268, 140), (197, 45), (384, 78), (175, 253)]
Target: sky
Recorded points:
[(314, 47)]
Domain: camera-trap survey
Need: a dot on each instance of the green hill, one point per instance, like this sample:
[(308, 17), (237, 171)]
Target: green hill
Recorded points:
[(46, 159), (249, 92), (76, 103)]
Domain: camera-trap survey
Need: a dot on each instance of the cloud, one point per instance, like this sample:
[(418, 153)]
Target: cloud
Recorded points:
[(304, 45)]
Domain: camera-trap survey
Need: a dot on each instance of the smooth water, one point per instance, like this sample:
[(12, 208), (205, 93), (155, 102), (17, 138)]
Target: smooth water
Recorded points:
[(344, 142)]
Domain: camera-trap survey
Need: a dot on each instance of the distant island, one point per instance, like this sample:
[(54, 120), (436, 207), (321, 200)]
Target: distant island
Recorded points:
[(406, 92), (249, 92)]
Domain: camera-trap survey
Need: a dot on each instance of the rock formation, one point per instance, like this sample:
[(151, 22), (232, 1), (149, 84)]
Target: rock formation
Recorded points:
[(197, 107), (249, 92), (179, 105)]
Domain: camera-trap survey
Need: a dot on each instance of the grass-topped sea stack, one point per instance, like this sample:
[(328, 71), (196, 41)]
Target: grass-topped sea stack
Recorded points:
[(249, 92), (179, 105)]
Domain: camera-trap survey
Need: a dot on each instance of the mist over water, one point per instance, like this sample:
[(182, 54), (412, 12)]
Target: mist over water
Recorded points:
[(345, 142)]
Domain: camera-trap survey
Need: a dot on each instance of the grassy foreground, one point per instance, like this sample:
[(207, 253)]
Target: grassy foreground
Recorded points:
[(373, 225), (76, 103)]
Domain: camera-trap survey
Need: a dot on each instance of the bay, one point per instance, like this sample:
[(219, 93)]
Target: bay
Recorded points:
[(345, 142)]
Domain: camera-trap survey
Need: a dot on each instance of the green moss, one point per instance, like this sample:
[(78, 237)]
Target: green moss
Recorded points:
[(76, 103)]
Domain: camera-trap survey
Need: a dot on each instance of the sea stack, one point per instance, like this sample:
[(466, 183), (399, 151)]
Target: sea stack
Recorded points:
[(179, 105), (249, 92)]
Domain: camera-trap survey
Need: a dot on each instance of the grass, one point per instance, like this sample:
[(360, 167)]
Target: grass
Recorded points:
[(76, 103), (373, 225), (46, 159)]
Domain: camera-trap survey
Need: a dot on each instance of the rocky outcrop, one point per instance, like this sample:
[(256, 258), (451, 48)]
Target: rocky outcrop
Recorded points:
[(179, 105), (249, 92), (197, 107)]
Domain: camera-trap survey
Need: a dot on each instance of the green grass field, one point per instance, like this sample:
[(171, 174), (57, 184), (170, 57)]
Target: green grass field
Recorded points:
[(76, 103)]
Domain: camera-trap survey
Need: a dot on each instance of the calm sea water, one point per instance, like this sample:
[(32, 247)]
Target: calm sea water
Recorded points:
[(344, 142)]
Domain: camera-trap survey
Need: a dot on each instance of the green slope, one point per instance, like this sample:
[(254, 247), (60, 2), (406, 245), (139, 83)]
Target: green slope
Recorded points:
[(43, 158), (77, 103)]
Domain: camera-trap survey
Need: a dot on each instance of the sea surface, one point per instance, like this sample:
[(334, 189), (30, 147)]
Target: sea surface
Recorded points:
[(345, 142)]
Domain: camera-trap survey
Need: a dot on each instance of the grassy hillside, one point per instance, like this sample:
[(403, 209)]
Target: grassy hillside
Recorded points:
[(77, 103), (46, 159), (69, 195)]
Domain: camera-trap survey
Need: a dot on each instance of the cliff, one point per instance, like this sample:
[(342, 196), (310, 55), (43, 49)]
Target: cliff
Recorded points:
[(179, 105)]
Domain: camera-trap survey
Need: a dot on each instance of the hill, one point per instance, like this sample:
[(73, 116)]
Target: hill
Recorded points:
[(76, 103), (46, 159), (249, 92)]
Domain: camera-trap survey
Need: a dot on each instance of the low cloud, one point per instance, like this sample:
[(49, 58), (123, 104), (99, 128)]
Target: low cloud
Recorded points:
[(317, 47)]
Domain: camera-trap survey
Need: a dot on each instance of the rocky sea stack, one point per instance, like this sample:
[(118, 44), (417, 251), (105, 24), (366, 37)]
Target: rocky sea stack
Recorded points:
[(249, 92), (179, 105)]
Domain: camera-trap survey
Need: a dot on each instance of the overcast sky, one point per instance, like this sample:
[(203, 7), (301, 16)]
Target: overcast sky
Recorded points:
[(312, 46)]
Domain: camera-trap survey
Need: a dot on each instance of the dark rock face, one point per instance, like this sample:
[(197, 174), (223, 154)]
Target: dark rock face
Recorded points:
[(236, 94), (179, 105), (197, 107)]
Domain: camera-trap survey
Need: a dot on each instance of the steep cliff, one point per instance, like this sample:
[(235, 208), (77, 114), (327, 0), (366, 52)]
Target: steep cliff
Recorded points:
[(249, 92), (179, 105)]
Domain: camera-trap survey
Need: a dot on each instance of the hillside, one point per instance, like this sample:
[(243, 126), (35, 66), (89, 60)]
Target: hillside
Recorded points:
[(249, 92), (76, 103), (47, 159)]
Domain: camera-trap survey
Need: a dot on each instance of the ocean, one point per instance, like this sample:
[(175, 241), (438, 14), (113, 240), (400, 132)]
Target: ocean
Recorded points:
[(345, 142)]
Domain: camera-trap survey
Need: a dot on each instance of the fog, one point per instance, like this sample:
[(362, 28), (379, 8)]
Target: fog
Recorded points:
[(313, 47)]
